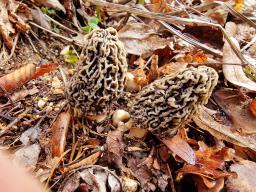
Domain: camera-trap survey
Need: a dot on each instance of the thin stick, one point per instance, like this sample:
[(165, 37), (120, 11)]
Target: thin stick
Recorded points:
[(57, 35)]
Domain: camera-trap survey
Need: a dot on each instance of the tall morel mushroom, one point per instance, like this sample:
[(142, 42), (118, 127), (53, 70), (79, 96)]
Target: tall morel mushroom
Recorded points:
[(168, 103), (99, 78)]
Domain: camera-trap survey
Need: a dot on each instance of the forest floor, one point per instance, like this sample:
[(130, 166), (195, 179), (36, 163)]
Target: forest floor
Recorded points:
[(41, 47)]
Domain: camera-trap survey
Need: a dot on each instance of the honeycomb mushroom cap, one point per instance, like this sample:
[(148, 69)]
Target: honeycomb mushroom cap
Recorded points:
[(168, 103), (99, 78)]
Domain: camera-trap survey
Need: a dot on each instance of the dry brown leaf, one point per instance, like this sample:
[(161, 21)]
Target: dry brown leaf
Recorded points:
[(115, 147), (207, 185), (202, 172), (17, 78), (235, 106), (6, 29), (90, 160), (140, 76), (153, 72), (59, 133), (245, 182), (172, 68), (55, 4), (160, 6), (141, 39), (180, 147), (206, 121), (252, 108), (235, 73), (23, 93)]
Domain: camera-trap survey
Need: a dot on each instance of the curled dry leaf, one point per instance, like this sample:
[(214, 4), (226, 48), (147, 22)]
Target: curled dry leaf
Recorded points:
[(45, 68), (59, 133), (141, 39), (180, 147), (6, 29), (252, 108), (205, 120), (17, 78), (235, 73), (235, 105)]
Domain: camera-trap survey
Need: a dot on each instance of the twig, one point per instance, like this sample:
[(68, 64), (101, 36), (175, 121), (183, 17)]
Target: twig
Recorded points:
[(249, 44), (169, 19), (63, 26), (218, 63), (57, 35), (31, 43)]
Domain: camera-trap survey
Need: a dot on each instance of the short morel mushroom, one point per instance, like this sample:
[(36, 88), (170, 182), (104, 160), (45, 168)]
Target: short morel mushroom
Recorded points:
[(100, 77), (168, 103)]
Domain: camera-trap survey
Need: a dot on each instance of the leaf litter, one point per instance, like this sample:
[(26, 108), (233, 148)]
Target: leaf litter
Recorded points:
[(69, 153)]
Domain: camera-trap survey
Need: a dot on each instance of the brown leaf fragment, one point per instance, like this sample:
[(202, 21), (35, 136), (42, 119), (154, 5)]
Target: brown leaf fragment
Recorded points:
[(172, 68), (90, 160), (59, 133), (153, 72), (6, 29), (236, 106), (45, 68), (207, 185), (202, 172), (23, 93), (235, 73), (245, 182), (115, 147), (252, 108), (141, 39), (206, 120), (180, 147), (55, 4), (17, 78)]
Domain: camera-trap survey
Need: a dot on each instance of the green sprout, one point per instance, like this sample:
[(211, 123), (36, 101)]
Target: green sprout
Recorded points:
[(48, 11), (92, 24), (71, 57)]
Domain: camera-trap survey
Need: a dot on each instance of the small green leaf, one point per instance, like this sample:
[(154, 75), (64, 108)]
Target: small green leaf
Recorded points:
[(93, 25), (87, 29), (93, 20), (141, 2), (71, 57)]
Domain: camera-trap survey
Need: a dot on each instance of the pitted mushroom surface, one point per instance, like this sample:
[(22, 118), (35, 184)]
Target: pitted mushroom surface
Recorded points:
[(168, 103), (99, 78)]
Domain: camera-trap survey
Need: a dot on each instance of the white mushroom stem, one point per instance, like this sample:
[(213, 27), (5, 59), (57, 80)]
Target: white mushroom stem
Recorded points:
[(120, 116), (130, 83)]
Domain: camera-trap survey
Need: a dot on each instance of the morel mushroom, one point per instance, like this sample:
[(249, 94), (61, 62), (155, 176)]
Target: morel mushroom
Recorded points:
[(99, 78), (168, 103)]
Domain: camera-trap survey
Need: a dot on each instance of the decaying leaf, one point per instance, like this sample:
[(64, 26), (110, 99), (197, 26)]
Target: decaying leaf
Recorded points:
[(115, 147), (236, 106), (206, 121), (23, 93), (92, 178), (17, 78), (44, 68), (235, 73), (59, 133), (252, 108), (180, 147), (55, 4), (141, 39), (245, 182), (6, 29)]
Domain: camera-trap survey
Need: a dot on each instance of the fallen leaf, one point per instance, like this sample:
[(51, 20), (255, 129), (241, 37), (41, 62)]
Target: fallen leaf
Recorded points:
[(235, 106), (172, 68), (45, 68), (252, 108), (245, 182), (55, 4), (90, 160), (141, 39), (202, 172), (23, 93), (205, 120), (59, 133), (115, 147), (235, 73), (41, 19), (6, 28), (180, 147), (17, 78), (207, 185)]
